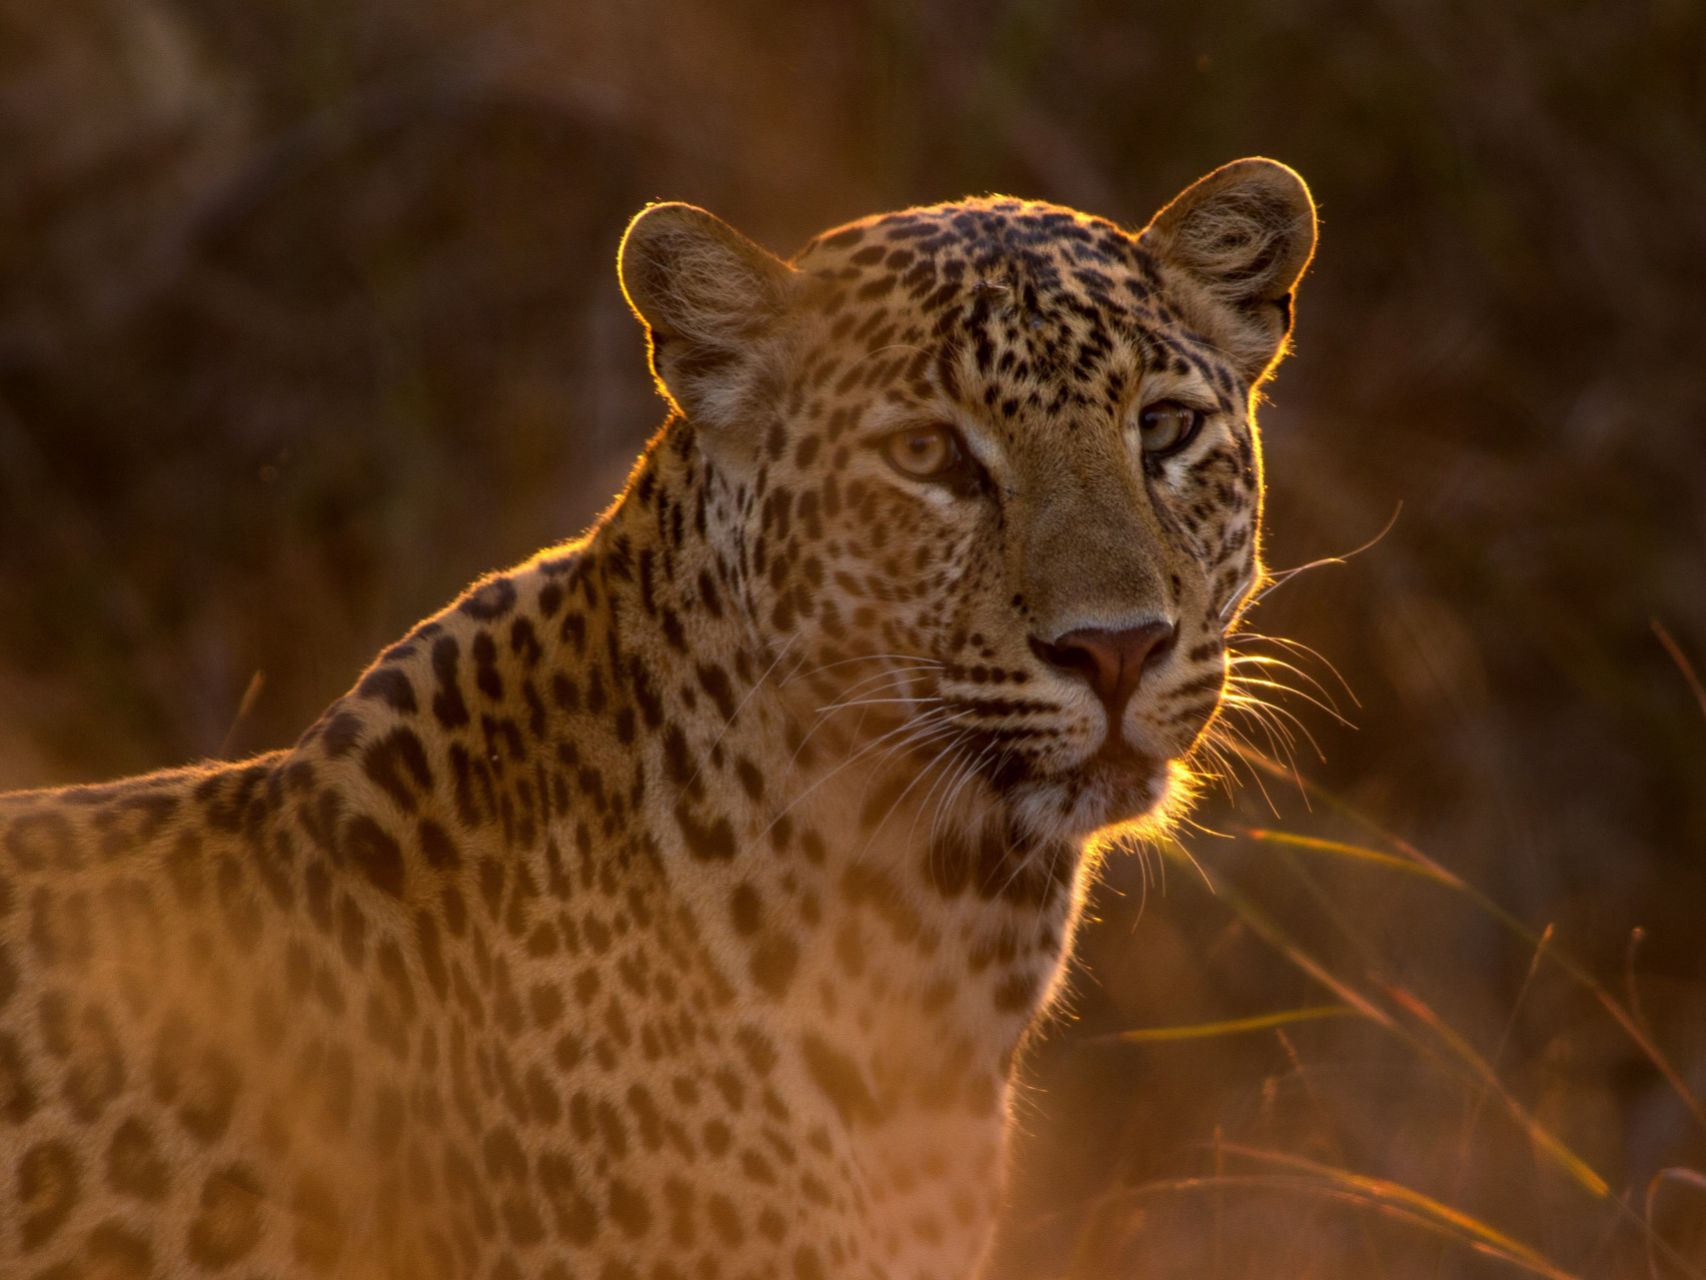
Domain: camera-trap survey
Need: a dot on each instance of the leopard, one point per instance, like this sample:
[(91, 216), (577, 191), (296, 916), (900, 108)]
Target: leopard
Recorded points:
[(676, 904)]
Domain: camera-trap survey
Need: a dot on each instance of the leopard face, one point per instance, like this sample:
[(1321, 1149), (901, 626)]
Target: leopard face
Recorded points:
[(999, 480)]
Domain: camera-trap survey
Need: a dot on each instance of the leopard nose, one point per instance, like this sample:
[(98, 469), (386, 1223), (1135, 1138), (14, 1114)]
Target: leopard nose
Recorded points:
[(1111, 662)]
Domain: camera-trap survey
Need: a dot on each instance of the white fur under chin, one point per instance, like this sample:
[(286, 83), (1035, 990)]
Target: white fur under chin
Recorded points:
[(1077, 810)]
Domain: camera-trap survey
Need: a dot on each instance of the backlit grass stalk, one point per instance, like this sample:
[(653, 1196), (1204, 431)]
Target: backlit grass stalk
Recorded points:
[(1414, 861)]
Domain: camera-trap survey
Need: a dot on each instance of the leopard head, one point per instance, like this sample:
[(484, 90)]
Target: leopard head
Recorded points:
[(988, 470)]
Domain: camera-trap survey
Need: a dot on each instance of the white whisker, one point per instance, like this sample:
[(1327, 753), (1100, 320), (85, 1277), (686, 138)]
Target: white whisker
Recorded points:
[(734, 715)]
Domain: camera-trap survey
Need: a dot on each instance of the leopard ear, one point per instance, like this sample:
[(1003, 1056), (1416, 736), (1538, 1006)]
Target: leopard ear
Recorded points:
[(711, 301), (1243, 235)]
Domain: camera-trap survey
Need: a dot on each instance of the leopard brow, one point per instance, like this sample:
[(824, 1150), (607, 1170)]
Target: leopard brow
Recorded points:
[(1190, 388), (1194, 385)]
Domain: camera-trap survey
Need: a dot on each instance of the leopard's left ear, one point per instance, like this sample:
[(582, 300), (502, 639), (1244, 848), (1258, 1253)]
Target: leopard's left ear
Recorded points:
[(712, 302), (1243, 235)]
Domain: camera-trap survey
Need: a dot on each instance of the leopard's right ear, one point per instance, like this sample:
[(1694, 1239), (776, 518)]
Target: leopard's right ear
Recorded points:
[(712, 302)]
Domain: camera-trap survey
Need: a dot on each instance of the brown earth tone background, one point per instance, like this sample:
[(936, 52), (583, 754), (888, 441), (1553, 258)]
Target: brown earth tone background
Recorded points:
[(308, 315)]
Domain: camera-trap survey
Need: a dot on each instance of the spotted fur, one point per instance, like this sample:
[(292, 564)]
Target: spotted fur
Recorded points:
[(673, 904)]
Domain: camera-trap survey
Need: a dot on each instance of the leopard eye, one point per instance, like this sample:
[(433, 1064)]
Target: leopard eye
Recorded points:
[(1167, 426), (924, 453)]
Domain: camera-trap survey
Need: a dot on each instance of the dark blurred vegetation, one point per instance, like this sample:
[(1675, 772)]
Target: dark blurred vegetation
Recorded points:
[(307, 315)]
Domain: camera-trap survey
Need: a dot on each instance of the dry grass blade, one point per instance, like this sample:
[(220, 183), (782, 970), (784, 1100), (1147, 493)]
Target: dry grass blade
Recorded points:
[(1473, 1118), (251, 695), (1276, 937), (1572, 1164), (1414, 861), (1384, 1191), (1389, 1199), (1682, 663), (1442, 1034), (1689, 1178), (1432, 1036), (1358, 853), (1233, 1026)]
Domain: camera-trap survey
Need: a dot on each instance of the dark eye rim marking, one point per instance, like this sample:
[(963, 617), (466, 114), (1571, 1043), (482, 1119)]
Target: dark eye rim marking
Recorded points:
[(1197, 417), (960, 472)]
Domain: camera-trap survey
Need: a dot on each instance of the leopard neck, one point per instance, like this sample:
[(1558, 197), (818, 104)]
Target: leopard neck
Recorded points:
[(609, 717)]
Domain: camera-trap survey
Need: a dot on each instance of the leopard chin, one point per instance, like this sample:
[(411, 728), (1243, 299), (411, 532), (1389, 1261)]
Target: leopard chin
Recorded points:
[(1116, 786)]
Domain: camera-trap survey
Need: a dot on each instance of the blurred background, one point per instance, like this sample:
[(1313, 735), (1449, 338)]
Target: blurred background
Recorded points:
[(308, 315)]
